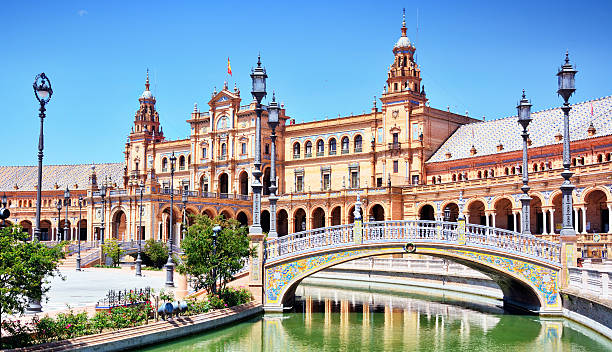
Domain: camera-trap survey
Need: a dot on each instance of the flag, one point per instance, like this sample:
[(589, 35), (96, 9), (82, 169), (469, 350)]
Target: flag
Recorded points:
[(229, 67)]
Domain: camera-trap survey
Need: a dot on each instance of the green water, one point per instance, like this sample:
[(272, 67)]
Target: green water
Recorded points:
[(336, 319)]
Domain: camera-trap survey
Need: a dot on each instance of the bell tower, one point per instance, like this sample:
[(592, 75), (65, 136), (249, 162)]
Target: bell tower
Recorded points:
[(146, 120), (404, 76)]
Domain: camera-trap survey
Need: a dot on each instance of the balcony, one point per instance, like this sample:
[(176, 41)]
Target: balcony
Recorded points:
[(395, 146)]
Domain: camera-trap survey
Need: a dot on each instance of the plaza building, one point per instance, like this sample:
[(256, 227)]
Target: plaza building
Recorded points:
[(404, 158)]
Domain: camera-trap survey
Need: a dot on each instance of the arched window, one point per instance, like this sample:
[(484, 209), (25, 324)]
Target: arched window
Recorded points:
[(433, 179), (308, 148), (320, 147), (542, 168), (454, 177), (506, 172), (357, 143), (164, 165), (188, 160), (296, 150), (223, 151), (345, 145), (479, 174), (535, 167), (492, 173), (486, 174), (332, 146), (182, 162)]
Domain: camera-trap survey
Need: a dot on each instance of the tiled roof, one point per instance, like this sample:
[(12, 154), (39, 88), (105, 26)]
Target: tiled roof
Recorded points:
[(487, 135), (26, 177)]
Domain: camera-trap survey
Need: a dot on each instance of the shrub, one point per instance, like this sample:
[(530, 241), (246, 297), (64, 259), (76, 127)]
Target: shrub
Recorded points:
[(197, 307), (216, 302), (233, 297)]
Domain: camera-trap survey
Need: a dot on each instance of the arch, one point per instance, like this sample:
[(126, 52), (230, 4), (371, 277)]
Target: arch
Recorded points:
[(223, 185), (223, 151), (282, 223), (204, 184), (119, 226), (450, 211), (588, 191), (357, 143), (476, 211), (266, 182), (351, 214), (336, 216), (82, 230), (296, 150), (331, 146), (265, 221), (308, 149), (242, 218), (318, 218), (181, 162), (210, 212), (377, 213), (226, 213), (299, 220), (64, 234), (596, 211), (320, 147), (536, 215), (427, 212), (164, 164), (344, 144), (503, 213), (26, 226), (45, 230), (244, 183)]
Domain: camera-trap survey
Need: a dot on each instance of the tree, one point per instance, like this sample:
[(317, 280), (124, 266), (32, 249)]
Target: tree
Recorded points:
[(209, 261), (24, 269), (113, 250), (155, 253)]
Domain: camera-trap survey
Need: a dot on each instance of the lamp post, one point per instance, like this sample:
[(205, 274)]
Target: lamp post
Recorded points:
[(58, 205), (566, 88), (103, 196), (216, 231), (273, 112), (524, 118), (139, 232), (78, 268), (4, 212), (170, 264), (66, 204), (184, 199), (258, 76)]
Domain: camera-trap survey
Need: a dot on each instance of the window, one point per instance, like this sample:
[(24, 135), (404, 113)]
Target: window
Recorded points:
[(345, 145), (354, 179), (296, 150), (136, 166), (204, 154), (182, 162), (380, 135), (415, 179), (308, 149), (320, 147), (326, 181), (164, 165), (416, 132), (243, 148), (223, 151), (454, 177), (395, 87), (267, 148), (379, 182), (395, 166), (188, 160), (332, 146), (395, 138), (205, 188), (357, 143), (299, 183)]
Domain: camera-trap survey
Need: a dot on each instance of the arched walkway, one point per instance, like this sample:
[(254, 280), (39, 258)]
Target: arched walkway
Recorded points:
[(82, 228), (244, 183), (476, 213), (27, 227), (209, 212), (65, 234), (226, 214), (503, 214), (265, 221), (536, 216), (223, 185), (242, 218), (45, 230), (377, 213), (318, 218), (597, 218), (351, 214), (282, 223), (266, 182), (427, 212), (451, 212), (299, 220), (336, 216), (119, 226)]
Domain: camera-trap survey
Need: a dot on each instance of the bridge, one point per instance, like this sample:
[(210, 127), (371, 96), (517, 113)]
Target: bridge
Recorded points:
[(526, 268)]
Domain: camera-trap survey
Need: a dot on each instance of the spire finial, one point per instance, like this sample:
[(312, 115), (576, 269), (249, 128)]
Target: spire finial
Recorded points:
[(523, 93), (567, 57), (147, 82), (404, 22), (273, 95), (258, 59)]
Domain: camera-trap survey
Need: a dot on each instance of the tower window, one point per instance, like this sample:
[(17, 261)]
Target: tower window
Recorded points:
[(243, 148), (395, 87), (395, 166), (204, 153)]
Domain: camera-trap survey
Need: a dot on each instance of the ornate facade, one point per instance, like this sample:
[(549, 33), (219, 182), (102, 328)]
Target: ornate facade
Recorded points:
[(405, 158)]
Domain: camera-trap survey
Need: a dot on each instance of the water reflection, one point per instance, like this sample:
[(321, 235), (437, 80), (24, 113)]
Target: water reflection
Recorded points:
[(335, 319)]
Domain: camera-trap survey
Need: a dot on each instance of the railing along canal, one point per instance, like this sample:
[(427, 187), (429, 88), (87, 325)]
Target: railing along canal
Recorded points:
[(418, 231)]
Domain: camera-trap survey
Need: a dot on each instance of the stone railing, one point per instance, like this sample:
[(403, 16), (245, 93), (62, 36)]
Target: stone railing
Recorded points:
[(411, 265), (418, 231), (592, 282)]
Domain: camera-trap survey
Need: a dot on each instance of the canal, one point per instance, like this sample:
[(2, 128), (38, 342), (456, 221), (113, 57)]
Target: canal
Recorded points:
[(326, 318)]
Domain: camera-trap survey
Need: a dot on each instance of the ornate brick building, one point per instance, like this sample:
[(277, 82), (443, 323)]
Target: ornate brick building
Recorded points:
[(405, 158)]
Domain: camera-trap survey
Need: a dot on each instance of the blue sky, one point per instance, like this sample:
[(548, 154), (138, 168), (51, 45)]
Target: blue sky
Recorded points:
[(323, 59)]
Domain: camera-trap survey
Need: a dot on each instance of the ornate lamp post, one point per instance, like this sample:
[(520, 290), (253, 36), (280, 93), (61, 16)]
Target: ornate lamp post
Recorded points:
[(103, 196), (216, 231), (170, 264), (58, 205), (524, 118), (66, 204), (566, 88), (141, 187), (43, 93), (78, 261), (258, 76), (184, 199), (273, 112)]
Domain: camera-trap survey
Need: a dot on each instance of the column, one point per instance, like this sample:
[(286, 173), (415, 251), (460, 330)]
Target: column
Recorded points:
[(493, 218), (486, 219), (575, 220), (544, 216), (514, 221), (584, 222), (609, 218), (552, 221), (467, 218)]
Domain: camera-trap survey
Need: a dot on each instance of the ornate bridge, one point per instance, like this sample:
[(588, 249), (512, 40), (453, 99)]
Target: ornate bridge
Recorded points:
[(526, 268)]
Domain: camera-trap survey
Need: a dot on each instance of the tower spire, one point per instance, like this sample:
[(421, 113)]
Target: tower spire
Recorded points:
[(404, 22), (147, 82)]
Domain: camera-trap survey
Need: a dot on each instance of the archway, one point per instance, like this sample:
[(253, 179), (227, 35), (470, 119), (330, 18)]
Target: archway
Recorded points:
[(266, 181), (299, 220), (351, 214), (27, 227), (226, 214), (597, 219), (318, 218), (557, 217), (204, 185), (476, 213), (427, 212), (65, 234), (45, 230), (336, 216), (209, 212), (536, 216), (242, 218), (176, 219), (282, 223), (265, 221), (223, 185), (119, 226), (503, 214), (82, 228), (450, 212), (377, 213), (244, 183)]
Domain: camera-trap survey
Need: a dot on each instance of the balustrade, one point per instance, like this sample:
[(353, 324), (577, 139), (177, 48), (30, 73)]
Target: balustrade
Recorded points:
[(592, 282)]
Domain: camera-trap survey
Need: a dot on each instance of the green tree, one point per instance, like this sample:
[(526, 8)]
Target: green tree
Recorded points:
[(25, 267), (112, 250), (209, 261), (155, 253)]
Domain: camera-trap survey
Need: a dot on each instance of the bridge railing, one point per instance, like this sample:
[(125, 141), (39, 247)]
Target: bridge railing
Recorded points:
[(593, 282), (419, 231)]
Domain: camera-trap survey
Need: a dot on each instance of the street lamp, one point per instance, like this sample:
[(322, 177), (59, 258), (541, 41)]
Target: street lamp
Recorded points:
[(43, 93), (58, 205), (216, 231), (78, 268), (170, 264), (141, 187), (258, 76), (103, 196), (566, 88), (273, 112), (66, 204), (4, 212), (524, 118), (184, 199)]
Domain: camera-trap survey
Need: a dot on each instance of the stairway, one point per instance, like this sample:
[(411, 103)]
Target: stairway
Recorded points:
[(70, 261)]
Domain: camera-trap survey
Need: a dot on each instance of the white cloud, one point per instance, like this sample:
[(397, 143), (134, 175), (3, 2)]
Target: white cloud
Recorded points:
[(82, 12)]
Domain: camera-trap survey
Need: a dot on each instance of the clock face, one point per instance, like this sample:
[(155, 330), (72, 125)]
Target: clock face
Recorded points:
[(395, 114)]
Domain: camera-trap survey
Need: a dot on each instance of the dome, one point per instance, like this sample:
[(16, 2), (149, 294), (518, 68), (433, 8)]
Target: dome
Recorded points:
[(402, 42), (147, 94)]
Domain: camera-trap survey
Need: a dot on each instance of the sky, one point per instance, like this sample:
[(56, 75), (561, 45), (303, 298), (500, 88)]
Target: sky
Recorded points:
[(323, 58)]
